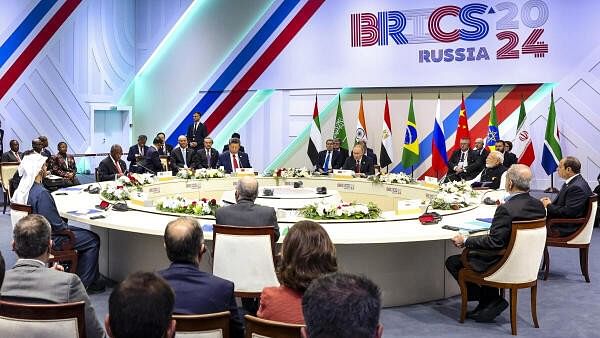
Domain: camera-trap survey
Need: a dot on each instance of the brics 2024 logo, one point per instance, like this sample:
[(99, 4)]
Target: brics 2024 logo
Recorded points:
[(472, 22)]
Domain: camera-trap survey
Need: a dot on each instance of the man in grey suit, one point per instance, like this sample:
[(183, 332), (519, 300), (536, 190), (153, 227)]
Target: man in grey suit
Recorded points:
[(31, 281), (245, 212)]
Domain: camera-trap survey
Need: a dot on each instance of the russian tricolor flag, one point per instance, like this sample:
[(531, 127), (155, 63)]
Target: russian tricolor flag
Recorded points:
[(439, 159)]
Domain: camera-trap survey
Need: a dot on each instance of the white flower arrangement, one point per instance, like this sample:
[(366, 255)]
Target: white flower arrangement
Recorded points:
[(399, 178), (329, 210), (183, 205), (200, 173), (115, 192), (292, 172), (454, 195)]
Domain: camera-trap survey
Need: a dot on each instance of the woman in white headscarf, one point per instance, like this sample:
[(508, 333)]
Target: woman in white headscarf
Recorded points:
[(31, 191)]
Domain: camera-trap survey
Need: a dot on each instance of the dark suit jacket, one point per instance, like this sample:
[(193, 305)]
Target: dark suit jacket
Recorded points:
[(177, 159), (473, 168), (337, 159), (226, 148), (366, 165), (484, 248), (46, 152), (133, 151), (168, 148), (492, 175), (571, 202), (371, 154), (107, 169), (509, 159), (198, 292), (197, 136), (225, 161), (344, 153), (152, 160), (202, 161), (246, 213), (483, 153), (31, 281), (10, 157)]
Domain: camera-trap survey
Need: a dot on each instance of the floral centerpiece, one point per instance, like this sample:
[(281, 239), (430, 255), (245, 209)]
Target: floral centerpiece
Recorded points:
[(115, 192), (325, 210), (292, 172), (400, 178), (181, 205), (454, 195), (204, 173), (135, 180)]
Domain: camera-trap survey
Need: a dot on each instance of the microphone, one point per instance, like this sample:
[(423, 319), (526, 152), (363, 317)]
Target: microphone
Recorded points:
[(147, 169)]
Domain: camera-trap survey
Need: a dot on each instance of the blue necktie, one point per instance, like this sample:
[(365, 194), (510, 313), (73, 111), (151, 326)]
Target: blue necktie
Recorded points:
[(326, 166)]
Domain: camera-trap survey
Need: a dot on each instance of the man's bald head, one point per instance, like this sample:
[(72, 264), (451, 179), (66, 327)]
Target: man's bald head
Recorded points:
[(183, 240), (247, 188), (518, 178)]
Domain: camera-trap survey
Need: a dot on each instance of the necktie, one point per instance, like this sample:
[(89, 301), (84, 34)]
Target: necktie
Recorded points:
[(326, 166), (141, 151), (357, 167), (118, 168), (183, 152), (235, 162), (18, 157), (208, 157), (195, 128), (462, 157)]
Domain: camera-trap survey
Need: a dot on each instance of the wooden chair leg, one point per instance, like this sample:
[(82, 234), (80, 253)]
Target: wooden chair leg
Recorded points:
[(513, 311), (503, 292), (547, 261), (464, 298), (534, 306), (583, 262)]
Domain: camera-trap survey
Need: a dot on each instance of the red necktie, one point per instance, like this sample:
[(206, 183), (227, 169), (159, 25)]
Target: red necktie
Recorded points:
[(357, 167), (118, 168), (235, 163)]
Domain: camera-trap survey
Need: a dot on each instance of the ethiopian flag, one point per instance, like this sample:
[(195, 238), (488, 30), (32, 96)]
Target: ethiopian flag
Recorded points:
[(493, 134)]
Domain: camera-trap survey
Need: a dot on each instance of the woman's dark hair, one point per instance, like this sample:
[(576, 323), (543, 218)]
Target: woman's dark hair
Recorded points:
[(307, 254)]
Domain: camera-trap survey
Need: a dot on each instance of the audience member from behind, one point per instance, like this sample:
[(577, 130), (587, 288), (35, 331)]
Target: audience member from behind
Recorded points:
[(141, 306), (485, 250), (2, 269), (196, 291), (32, 281), (306, 255), (112, 167), (45, 151), (342, 305), (572, 199), (63, 165), (31, 191), (152, 161)]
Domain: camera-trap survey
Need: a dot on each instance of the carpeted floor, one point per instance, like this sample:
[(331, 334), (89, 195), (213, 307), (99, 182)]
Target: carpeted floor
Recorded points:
[(567, 306)]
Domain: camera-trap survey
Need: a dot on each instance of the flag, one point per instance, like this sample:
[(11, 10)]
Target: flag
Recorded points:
[(386, 155), (361, 126), (522, 145), (439, 158), (462, 131), (339, 130), (410, 152), (552, 153), (315, 144), (493, 133)]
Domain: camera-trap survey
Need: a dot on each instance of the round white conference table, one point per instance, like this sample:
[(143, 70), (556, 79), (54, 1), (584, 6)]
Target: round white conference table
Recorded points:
[(405, 258)]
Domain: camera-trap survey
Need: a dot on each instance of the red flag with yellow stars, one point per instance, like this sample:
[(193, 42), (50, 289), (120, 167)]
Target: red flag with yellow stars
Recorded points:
[(462, 131)]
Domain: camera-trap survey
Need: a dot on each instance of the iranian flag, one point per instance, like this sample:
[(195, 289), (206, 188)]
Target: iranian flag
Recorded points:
[(315, 144), (522, 145)]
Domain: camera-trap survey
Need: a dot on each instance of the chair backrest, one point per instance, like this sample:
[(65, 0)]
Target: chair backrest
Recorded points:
[(35, 320), (262, 328), (584, 235), (18, 211), (211, 325), (521, 261), (502, 181), (164, 160), (244, 255), (7, 171)]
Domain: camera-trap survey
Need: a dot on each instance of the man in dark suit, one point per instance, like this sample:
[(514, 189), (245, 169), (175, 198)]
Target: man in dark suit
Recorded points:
[(337, 147), (485, 250), (359, 163), (112, 167), (480, 149), (572, 198), (492, 174), (207, 156), (63, 165), (233, 158), (235, 135), (182, 156), (137, 153), (328, 159), (369, 152), (152, 161), (509, 158), (196, 291), (13, 155), (45, 151), (464, 164), (30, 279), (196, 132), (166, 149)]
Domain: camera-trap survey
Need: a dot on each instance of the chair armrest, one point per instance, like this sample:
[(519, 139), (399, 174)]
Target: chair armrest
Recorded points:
[(553, 221), (68, 245), (464, 259)]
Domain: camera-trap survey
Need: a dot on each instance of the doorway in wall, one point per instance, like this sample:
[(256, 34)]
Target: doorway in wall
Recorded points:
[(111, 125)]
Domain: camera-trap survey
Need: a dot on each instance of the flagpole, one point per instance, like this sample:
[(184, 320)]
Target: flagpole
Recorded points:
[(412, 171), (552, 189)]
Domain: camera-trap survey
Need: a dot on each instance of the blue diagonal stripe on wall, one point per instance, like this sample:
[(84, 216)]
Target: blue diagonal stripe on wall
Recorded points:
[(24, 29), (473, 103)]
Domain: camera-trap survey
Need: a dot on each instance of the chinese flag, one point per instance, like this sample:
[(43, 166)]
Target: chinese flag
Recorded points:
[(462, 131)]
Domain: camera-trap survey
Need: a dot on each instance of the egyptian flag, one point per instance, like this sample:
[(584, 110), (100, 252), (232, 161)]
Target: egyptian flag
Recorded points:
[(315, 144), (387, 146)]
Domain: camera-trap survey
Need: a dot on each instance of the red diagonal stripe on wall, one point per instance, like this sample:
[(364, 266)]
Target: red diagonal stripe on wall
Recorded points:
[(503, 110), (241, 88), (36, 45)]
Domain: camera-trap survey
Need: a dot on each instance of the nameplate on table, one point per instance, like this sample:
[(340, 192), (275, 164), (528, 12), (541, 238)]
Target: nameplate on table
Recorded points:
[(154, 190), (346, 186), (394, 190), (192, 185)]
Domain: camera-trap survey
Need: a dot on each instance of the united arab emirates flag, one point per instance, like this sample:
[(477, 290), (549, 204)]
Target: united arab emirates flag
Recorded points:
[(315, 144)]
